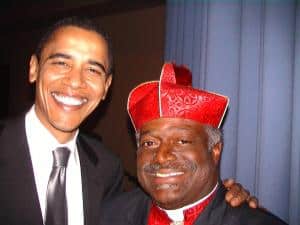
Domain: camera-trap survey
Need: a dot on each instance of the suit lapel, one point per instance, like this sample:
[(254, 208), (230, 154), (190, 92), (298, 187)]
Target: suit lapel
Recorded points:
[(91, 188), (139, 213), (212, 214), (20, 169)]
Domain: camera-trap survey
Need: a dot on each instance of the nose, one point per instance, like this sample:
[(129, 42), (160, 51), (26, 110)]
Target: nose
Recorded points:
[(164, 154), (75, 78)]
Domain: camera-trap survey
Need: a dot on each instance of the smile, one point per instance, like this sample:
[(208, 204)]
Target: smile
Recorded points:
[(68, 100), (171, 174)]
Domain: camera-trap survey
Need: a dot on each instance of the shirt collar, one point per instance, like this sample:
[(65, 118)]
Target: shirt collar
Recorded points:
[(178, 214)]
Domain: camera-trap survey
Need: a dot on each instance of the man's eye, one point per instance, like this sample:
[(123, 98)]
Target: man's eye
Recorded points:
[(92, 70), (147, 144), (184, 141), (60, 63)]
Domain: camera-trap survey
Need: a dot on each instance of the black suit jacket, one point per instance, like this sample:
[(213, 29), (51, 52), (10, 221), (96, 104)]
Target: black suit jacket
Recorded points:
[(133, 208), (101, 177)]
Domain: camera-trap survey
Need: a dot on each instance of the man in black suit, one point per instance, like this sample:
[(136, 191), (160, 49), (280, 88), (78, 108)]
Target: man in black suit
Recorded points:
[(179, 145), (72, 72)]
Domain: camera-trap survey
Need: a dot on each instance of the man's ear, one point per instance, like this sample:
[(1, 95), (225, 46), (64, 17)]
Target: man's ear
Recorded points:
[(107, 85), (216, 152), (33, 69)]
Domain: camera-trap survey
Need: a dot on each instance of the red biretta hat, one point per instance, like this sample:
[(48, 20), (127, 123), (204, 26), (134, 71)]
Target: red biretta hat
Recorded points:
[(174, 97)]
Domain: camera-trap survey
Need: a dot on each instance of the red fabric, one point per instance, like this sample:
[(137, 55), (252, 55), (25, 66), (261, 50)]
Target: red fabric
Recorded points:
[(191, 214), (159, 217), (183, 75), (142, 107), (174, 97)]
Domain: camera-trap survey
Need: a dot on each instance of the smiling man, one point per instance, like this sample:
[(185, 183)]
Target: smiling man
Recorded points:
[(179, 145), (71, 78), (173, 164), (72, 72)]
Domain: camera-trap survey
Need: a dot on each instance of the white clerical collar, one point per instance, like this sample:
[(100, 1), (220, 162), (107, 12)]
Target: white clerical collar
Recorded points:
[(38, 133), (178, 214)]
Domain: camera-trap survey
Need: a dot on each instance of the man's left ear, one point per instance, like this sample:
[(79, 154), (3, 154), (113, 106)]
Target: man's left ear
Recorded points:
[(107, 85), (216, 152), (33, 68)]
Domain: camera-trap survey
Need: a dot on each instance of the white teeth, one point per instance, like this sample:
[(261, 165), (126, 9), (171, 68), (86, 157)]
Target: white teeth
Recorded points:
[(68, 100), (168, 174), (165, 186)]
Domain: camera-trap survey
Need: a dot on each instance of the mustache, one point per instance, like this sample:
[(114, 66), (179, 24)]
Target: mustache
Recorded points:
[(182, 165)]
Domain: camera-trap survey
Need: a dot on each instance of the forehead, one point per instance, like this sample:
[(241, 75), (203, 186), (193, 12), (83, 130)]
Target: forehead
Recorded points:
[(76, 37), (167, 125)]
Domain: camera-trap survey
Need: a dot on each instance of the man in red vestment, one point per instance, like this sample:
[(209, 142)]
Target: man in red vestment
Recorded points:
[(179, 149)]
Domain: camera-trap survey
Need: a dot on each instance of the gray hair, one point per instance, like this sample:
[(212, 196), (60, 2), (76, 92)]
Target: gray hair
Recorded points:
[(137, 138), (214, 136)]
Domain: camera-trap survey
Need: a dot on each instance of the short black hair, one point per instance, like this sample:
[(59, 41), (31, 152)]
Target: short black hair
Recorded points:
[(83, 23)]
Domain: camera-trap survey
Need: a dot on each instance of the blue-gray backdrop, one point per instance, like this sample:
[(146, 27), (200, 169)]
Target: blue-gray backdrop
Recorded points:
[(248, 50)]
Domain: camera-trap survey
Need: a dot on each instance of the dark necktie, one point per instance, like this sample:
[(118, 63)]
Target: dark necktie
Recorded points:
[(56, 209)]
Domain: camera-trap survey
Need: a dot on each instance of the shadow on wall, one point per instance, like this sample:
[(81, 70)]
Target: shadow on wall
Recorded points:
[(4, 88)]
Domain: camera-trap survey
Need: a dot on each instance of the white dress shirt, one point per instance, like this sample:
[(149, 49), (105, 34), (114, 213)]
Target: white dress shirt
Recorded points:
[(41, 144)]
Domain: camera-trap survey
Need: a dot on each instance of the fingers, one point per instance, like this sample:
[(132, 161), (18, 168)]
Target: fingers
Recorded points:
[(228, 183), (252, 202), (237, 195)]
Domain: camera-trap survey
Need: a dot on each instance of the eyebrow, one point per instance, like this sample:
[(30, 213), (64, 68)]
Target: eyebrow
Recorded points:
[(59, 55), (143, 133)]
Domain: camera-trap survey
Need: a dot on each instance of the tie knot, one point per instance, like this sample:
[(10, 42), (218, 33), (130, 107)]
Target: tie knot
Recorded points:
[(61, 156)]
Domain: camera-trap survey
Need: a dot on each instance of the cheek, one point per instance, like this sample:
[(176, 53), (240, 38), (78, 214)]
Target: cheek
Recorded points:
[(97, 88), (46, 79), (198, 156), (142, 161), (142, 179), (202, 173), (143, 158), (140, 165), (41, 85), (202, 176)]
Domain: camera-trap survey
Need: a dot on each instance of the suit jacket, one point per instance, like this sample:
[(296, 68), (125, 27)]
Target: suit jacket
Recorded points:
[(133, 208), (19, 204)]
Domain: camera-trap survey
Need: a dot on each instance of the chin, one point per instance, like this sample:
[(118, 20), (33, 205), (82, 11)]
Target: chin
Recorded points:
[(65, 126), (167, 200), (168, 203)]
